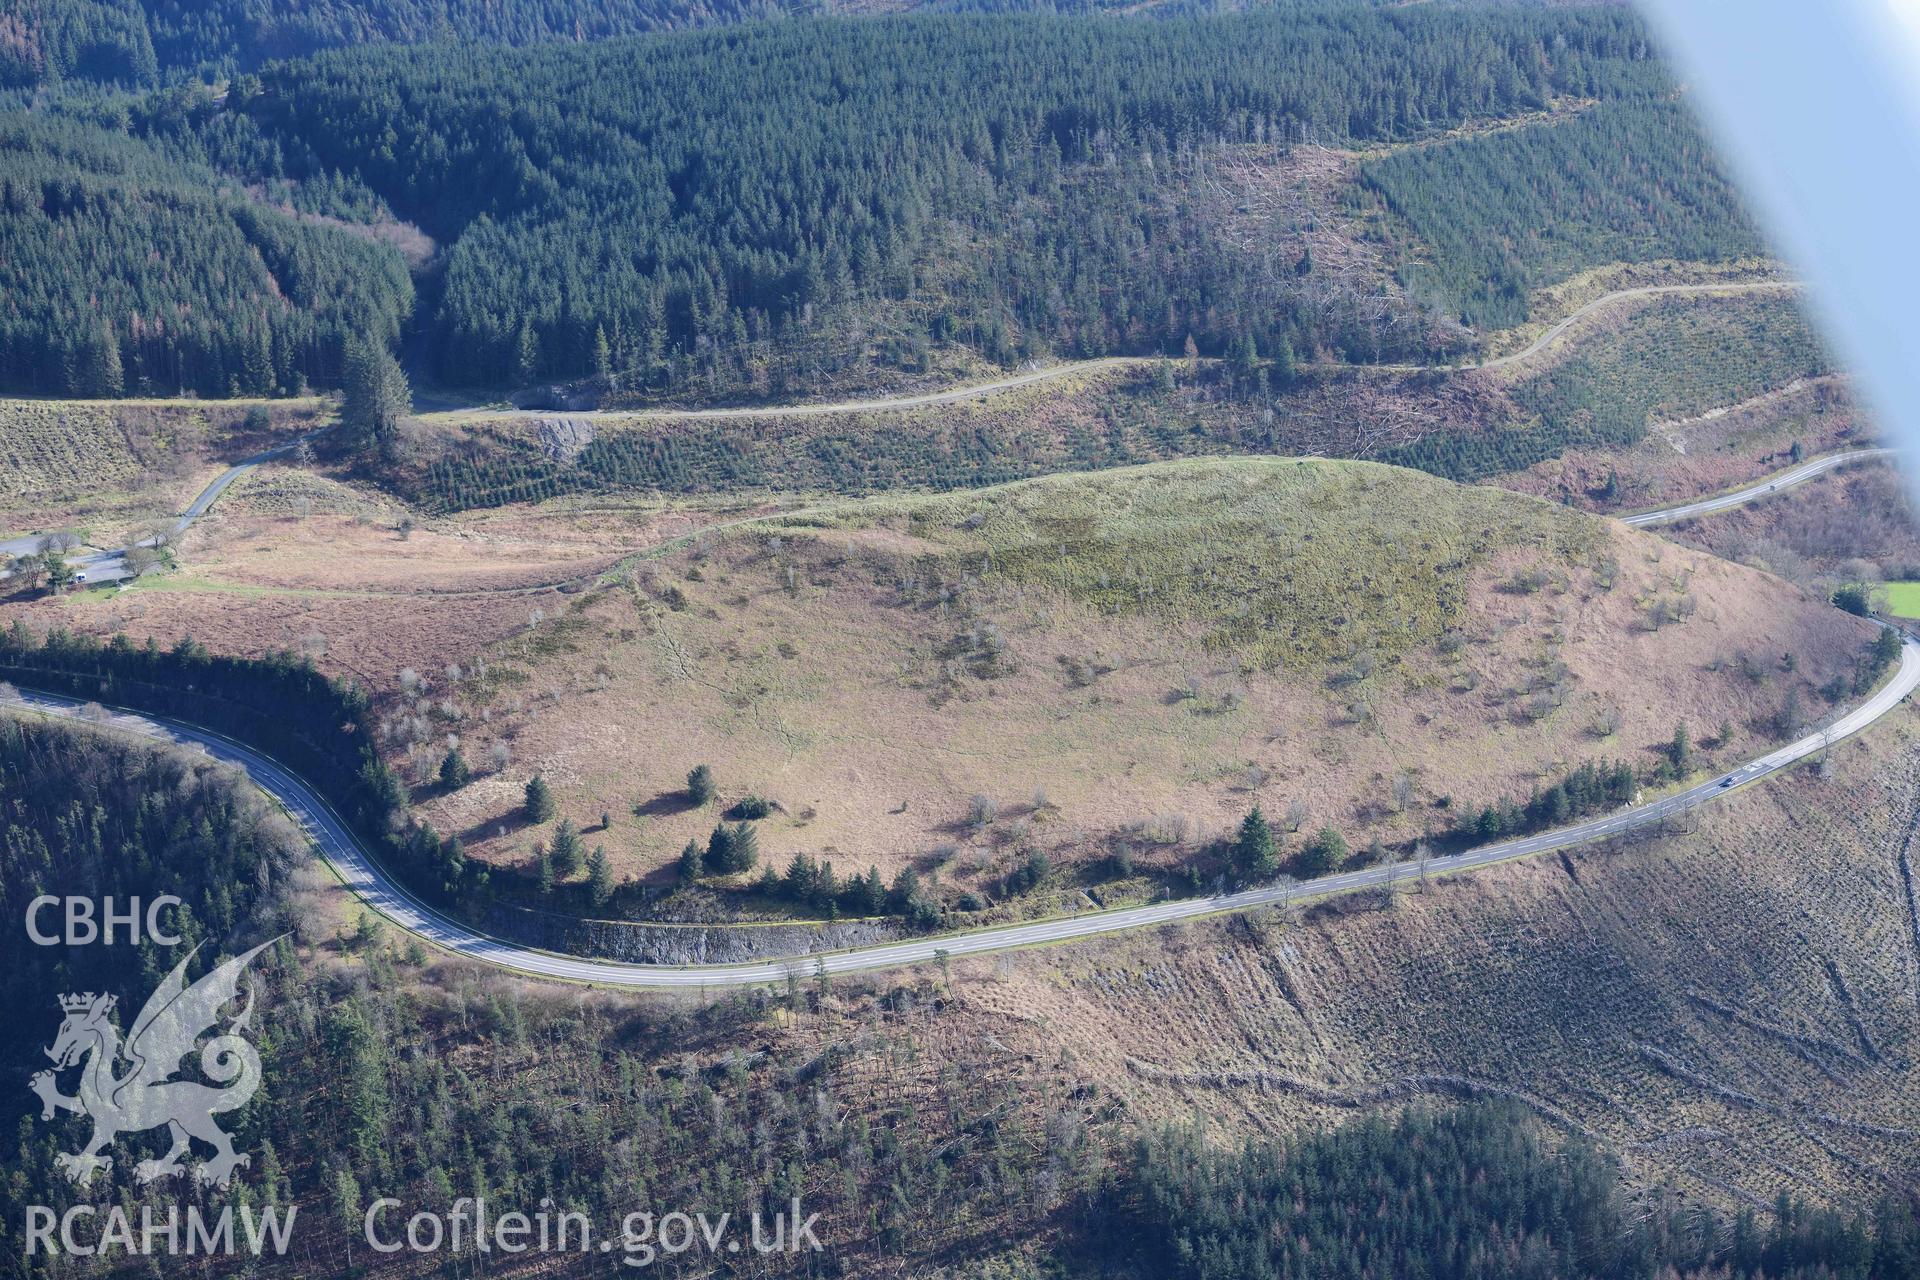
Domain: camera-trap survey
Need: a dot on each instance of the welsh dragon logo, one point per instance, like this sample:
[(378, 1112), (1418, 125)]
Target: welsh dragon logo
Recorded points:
[(145, 1096)]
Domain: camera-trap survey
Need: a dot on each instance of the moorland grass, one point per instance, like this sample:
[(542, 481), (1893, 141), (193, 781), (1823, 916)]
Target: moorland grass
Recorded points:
[(1279, 561)]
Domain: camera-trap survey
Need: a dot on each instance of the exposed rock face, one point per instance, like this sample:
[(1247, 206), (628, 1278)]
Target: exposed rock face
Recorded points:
[(564, 439), (638, 943)]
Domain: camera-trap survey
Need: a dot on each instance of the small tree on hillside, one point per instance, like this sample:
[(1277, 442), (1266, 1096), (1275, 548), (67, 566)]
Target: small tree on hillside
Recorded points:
[(1286, 370), (539, 805), (867, 895), (912, 902), (700, 785), (1680, 751), (732, 849), (1854, 599), (693, 862), (55, 569), (566, 849), (454, 772), (1255, 855), (1884, 650), (1788, 720), (906, 887), (745, 851), (599, 876), (719, 849), (1320, 855)]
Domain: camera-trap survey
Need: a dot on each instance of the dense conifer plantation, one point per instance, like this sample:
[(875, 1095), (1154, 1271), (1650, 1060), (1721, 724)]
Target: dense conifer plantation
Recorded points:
[(754, 210), (136, 42), (1513, 210), (1475, 1191), (124, 271), (680, 209)]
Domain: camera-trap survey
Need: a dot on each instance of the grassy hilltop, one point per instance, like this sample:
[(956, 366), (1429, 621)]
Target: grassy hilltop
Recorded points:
[(951, 681)]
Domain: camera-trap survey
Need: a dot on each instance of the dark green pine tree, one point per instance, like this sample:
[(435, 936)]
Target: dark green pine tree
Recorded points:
[(720, 850), (566, 849), (1256, 855), (374, 395), (599, 876), (693, 862), (526, 353), (539, 806)]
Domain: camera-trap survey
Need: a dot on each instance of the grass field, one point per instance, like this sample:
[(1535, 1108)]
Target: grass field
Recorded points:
[(1276, 563), (1903, 599)]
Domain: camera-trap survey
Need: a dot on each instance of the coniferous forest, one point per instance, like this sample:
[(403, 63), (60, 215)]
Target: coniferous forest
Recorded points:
[(139, 42), (747, 209), (1003, 181), (122, 272), (1509, 211)]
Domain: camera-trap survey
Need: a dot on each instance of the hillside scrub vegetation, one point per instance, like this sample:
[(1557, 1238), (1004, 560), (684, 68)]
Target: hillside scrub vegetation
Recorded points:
[(109, 468), (1152, 652), (1710, 451), (1278, 563), (1661, 360), (1669, 365), (1852, 526), (1112, 416), (1727, 1006)]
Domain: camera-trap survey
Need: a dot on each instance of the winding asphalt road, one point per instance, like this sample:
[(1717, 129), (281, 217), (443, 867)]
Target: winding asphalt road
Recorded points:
[(367, 880), (1759, 489), (111, 566), (370, 883)]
